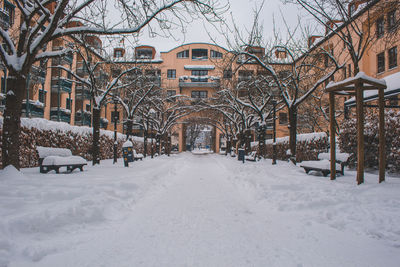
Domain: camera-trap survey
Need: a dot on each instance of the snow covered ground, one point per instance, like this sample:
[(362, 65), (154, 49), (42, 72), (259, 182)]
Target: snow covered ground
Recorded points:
[(197, 210)]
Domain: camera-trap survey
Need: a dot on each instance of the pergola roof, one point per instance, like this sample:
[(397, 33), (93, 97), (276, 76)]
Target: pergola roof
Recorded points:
[(361, 81)]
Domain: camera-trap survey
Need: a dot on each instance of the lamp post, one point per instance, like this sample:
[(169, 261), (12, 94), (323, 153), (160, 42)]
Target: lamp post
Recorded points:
[(115, 99), (151, 113), (274, 132)]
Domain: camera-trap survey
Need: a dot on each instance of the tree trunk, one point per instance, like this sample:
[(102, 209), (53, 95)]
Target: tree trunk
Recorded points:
[(129, 126), (292, 133), (96, 136), (228, 146), (247, 138), (12, 120)]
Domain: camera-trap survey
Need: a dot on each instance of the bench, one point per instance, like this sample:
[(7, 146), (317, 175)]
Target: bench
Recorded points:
[(324, 165), (252, 156), (51, 158), (137, 156)]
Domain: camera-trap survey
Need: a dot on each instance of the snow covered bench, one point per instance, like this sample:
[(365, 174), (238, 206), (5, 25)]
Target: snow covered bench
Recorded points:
[(324, 165), (51, 158), (137, 156), (252, 156)]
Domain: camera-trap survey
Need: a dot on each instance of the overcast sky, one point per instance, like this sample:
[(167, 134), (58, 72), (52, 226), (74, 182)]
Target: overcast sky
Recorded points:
[(242, 13)]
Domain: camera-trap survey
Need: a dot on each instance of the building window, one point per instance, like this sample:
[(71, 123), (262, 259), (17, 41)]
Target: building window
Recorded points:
[(199, 94), (381, 62), (88, 108), (42, 96), (114, 116), (68, 103), (171, 74), (283, 118), (391, 17), (245, 75), (393, 101), (118, 53), (170, 95), (199, 54), (216, 54), (228, 74), (344, 73), (9, 8), (201, 76), (146, 53), (380, 27), (183, 54), (3, 85), (393, 57)]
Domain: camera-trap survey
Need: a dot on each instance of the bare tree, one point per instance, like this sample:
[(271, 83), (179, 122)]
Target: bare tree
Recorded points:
[(353, 22), (99, 86), (42, 21)]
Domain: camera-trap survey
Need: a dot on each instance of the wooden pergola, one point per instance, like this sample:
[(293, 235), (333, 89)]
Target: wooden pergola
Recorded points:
[(356, 86)]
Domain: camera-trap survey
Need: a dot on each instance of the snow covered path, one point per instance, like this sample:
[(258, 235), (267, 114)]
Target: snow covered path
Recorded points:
[(210, 210)]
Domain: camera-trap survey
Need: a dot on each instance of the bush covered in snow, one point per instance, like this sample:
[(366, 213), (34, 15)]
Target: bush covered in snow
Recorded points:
[(348, 140), (308, 146), (41, 132)]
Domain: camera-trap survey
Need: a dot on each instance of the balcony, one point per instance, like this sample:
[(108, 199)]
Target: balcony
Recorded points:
[(35, 109), (199, 81), (67, 59), (60, 114), (62, 84), (37, 75), (4, 19), (81, 70), (81, 92), (83, 119)]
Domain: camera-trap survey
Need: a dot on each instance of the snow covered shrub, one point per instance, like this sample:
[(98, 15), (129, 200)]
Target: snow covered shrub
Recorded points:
[(41, 132), (348, 140), (308, 146)]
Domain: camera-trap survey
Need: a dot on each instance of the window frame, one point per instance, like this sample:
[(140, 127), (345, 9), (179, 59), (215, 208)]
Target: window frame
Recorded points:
[(380, 62), (184, 53), (392, 58), (194, 50), (216, 54), (391, 19), (199, 94), (171, 74), (380, 27)]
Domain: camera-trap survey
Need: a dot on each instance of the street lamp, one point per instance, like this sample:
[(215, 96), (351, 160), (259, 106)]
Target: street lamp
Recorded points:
[(116, 117), (151, 113), (274, 132)]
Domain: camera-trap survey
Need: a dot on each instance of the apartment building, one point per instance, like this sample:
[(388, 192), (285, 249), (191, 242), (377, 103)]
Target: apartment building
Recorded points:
[(197, 70)]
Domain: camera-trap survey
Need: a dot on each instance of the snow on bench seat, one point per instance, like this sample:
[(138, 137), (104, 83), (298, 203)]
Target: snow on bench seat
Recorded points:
[(137, 156), (53, 151), (52, 158), (57, 160), (340, 157)]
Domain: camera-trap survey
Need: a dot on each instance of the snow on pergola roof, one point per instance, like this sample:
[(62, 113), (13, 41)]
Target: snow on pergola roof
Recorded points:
[(349, 84), (393, 88)]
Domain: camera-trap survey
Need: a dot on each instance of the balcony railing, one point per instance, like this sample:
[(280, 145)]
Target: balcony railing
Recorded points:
[(81, 92), (60, 114), (35, 109), (37, 74), (199, 83), (62, 84), (83, 119), (4, 19)]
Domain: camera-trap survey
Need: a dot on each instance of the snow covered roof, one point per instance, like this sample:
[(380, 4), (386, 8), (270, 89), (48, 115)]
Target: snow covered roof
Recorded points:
[(393, 88), (199, 67), (349, 81)]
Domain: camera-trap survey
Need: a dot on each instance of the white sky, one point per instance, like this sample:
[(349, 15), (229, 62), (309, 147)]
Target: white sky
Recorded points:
[(242, 12)]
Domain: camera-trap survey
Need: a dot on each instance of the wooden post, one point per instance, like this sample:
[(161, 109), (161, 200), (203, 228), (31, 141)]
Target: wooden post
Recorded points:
[(360, 132), (332, 134), (382, 139)]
